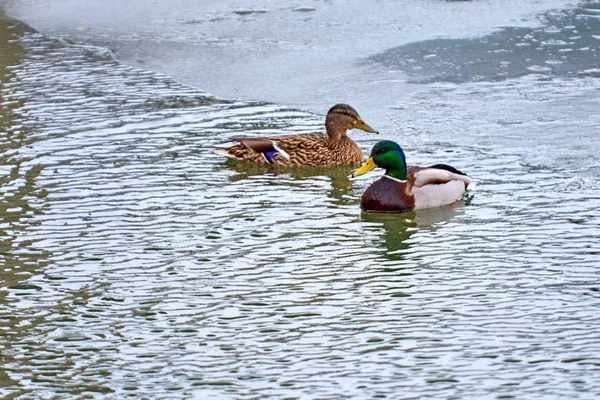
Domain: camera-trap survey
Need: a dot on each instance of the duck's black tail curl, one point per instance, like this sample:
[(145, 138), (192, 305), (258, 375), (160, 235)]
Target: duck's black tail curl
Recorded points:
[(448, 168)]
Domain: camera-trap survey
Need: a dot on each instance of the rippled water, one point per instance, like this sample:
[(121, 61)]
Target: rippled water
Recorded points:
[(137, 263)]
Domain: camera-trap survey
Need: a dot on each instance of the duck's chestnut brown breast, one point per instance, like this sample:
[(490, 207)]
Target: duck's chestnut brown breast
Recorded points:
[(387, 196)]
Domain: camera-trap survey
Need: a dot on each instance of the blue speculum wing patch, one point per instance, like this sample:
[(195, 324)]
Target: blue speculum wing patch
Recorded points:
[(269, 156)]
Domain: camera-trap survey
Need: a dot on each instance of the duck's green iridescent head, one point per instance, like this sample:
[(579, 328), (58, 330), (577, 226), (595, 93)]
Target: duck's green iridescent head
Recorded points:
[(387, 155)]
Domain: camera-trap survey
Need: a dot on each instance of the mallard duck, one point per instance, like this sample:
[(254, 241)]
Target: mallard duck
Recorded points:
[(401, 190), (313, 149)]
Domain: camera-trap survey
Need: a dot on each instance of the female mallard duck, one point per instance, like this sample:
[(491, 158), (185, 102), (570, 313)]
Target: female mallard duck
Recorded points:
[(400, 190), (313, 149)]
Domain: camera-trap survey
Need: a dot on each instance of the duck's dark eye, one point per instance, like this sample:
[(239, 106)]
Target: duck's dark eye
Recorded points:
[(381, 151)]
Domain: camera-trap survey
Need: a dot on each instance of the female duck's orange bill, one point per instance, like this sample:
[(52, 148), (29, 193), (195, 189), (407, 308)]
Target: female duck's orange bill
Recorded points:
[(362, 125)]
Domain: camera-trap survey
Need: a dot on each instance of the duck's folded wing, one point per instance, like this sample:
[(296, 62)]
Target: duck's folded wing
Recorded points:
[(267, 147), (437, 175), (259, 145)]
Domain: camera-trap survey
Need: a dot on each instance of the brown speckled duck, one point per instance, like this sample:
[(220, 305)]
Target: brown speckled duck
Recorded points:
[(313, 149), (401, 190)]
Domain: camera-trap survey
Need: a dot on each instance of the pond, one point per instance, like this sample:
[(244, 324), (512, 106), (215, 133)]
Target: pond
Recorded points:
[(136, 263)]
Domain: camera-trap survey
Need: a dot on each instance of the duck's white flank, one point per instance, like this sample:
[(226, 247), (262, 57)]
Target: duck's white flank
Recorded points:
[(430, 196)]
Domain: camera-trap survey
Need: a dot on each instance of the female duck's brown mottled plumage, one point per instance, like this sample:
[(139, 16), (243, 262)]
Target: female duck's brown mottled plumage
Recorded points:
[(313, 149)]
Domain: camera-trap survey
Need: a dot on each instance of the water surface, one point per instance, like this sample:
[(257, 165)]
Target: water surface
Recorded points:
[(138, 264)]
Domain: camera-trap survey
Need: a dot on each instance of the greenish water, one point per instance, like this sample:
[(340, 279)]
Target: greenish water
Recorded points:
[(135, 263)]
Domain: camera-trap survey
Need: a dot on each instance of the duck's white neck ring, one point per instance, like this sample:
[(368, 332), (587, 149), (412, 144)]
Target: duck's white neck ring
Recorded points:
[(395, 179)]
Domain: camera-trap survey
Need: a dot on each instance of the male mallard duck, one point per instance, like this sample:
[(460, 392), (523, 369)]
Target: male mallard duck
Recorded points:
[(400, 190), (313, 149)]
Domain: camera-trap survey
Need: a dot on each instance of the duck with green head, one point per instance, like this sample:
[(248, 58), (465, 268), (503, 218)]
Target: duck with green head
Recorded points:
[(404, 189)]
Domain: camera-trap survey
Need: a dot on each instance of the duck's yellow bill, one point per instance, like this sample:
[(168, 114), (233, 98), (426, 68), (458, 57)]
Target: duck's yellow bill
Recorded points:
[(366, 167), (362, 125)]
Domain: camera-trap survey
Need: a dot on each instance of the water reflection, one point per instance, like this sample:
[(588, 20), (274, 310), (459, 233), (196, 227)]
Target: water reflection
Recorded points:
[(392, 232), (19, 258), (341, 190), (18, 178)]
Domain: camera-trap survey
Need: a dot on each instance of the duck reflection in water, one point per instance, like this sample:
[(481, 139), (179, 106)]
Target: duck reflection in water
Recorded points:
[(341, 192), (392, 232)]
